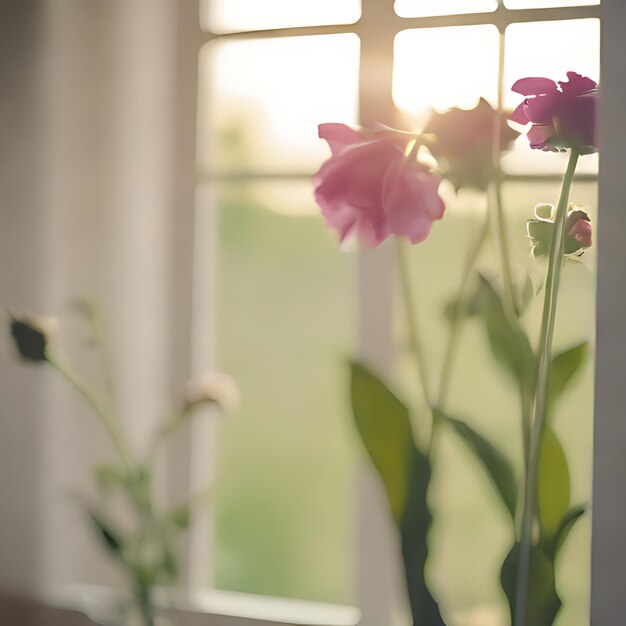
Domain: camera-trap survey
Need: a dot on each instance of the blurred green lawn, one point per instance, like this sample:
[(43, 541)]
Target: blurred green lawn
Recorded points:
[(287, 323)]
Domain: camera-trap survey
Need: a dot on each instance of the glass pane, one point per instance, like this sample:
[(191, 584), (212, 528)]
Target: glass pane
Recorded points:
[(471, 533), (221, 16), (467, 56), (286, 311), (542, 4), (261, 101), (423, 8), (553, 58)]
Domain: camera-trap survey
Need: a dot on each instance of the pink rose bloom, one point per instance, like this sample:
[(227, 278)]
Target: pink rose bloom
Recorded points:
[(369, 188), (562, 115)]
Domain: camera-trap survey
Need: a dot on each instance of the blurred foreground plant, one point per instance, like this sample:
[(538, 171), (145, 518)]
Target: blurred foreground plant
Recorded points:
[(145, 547)]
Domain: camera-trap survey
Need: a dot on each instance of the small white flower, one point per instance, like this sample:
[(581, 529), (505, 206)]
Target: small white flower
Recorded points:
[(213, 388)]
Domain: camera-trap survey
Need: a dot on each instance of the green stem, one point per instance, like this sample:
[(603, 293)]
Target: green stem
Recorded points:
[(146, 608), (460, 313), (494, 201), (411, 322), (138, 492), (103, 413), (544, 357)]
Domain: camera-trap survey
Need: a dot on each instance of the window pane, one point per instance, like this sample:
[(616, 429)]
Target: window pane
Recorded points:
[(221, 16), (471, 533), (286, 311), (541, 4), (467, 56), (422, 8), (261, 101), (553, 58)]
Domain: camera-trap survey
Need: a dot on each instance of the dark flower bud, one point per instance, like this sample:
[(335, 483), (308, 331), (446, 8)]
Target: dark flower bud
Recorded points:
[(32, 336)]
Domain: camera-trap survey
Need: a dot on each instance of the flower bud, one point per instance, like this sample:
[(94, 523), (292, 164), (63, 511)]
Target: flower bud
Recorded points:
[(577, 230), (213, 388), (32, 335), (579, 227)]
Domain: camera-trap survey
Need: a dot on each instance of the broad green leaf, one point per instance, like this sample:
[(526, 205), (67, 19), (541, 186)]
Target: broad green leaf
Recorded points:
[(384, 426), (414, 532), (508, 342), (498, 468), (567, 523), (554, 485), (563, 369), (543, 602)]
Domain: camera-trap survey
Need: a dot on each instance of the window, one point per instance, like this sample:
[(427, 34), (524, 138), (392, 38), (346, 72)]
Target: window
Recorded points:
[(291, 307)]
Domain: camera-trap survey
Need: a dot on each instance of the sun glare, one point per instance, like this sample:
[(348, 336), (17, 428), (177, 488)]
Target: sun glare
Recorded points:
[(231, 15), (461, 67), (265, 99), (422, 8)]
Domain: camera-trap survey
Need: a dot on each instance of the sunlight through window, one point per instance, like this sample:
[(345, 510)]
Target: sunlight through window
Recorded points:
[(545, 4), (230, 15), (462, 66), (423, 8), (263, 99)]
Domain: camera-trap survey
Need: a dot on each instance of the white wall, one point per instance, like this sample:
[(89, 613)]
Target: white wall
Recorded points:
[(97, 198)]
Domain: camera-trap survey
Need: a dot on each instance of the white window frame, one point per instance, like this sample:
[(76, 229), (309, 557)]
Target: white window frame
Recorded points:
[(377, 567)]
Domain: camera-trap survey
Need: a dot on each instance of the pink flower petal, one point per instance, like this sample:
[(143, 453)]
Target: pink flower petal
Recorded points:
[(534, 86), (538, 135), (582, 232), (372, 233), (540, 109), (519, 115), (577, 85), (338, 136), (410, 200)]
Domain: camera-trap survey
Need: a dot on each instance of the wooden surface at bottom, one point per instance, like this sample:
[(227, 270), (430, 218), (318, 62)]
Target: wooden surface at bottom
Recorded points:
[(24, 612)]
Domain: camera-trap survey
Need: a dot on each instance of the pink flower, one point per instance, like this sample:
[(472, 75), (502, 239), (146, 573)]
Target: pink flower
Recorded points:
[(369, 188), (562, 115)]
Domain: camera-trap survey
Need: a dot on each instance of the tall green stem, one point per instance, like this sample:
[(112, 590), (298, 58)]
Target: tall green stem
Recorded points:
[(104, 414), (408, 302), (460, 312), (494, 200), (555, 263)]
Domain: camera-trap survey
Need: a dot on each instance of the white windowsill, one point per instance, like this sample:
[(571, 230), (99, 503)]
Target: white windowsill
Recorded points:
[(203, 607)]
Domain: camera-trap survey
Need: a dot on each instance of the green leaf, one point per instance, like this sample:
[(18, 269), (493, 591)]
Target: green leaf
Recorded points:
[(524, 292), (112, 540), (180, 517), (414, 533), (540, 235), (563, 369), (554, 485), (543, 602), (567, 523), (497, 466), (109, 476), (508, 342), (384, 426)]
